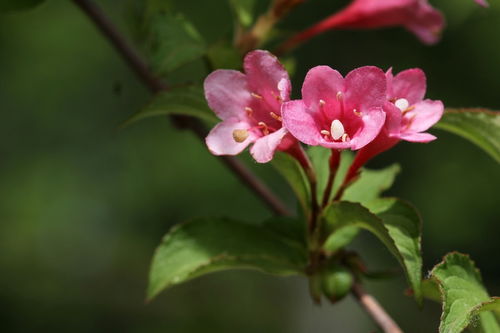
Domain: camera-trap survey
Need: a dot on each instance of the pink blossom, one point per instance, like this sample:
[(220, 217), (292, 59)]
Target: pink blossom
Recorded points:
[(483, 3), (408, 115), (249, 105), (335, 112), (418, 16)]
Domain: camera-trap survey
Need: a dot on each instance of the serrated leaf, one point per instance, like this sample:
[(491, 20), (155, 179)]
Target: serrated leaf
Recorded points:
[(480, 126), (185, 101), (171, 41), (291, 170), (12, 5), (396, 224), (464, 296), (371, 184), (208, 245)]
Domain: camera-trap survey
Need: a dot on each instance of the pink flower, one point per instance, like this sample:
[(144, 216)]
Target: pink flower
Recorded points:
[(408, 115), (335, 112), (483, 3), (418, 16), (249, 106)]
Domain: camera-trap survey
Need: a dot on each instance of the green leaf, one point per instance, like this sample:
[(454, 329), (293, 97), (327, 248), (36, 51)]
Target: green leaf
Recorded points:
[(340, 238), (185, 101), (12, 5), (464, 296), (224, 55), (288, 227), (172, 41), (396, 224), (480, 126), (320, 157), (244, 11), (291, 170), (371, 184), (207, 245)]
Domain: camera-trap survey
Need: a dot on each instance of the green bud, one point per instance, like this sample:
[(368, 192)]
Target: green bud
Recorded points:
[(336, 282)]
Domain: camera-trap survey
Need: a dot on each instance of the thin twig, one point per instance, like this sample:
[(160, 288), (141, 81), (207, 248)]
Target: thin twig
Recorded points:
[(375, 310), (155, 85)]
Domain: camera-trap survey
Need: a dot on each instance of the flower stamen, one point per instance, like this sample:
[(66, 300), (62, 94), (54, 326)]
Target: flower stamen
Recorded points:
[(256, 95), (264, 127), (275, 116)]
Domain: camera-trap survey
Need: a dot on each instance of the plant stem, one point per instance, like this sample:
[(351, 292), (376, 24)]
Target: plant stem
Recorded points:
[(135, 62), (254, 37), (375, 310), (334, 162)]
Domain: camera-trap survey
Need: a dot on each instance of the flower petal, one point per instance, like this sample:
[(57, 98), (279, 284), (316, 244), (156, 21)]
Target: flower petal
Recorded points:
[(227, 93), (365, 88), (321, 83), (417, 137), (409, 84), (482, 3), (267, 76), (424, 115), (392, 118), (263, 149), (220, 140), (426, 23), (373, 121), (301, 122)]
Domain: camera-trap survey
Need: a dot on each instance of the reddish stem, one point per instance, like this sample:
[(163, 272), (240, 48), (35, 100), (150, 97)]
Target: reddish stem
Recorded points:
[(334, 162)]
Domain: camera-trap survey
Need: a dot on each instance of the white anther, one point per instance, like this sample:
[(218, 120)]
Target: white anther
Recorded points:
[(322, 103), (402, 104), (339, 95), (282, 84), (345, 137), (337, 129)]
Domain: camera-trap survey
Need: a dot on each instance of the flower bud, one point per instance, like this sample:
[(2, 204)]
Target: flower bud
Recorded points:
[(336, 282)]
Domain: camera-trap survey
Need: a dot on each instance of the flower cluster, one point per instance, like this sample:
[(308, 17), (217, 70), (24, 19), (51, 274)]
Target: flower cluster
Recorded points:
[(367, 110)]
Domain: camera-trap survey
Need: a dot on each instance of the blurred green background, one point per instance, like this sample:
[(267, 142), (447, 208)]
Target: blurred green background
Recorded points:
[(83, 204)]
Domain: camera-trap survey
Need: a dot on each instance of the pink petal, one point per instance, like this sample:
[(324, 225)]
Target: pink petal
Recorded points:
[(409, 84), (365, 88), (266, 75), (426, 23), (417, 137), (263, 149), (373, 121), (220, 140), (392, 119), (227, 93), (301, 122), (482, 3), (424, 115), (321, 83)]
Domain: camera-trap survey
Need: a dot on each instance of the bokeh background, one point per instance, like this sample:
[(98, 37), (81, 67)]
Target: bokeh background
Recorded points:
[(83, 204)]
